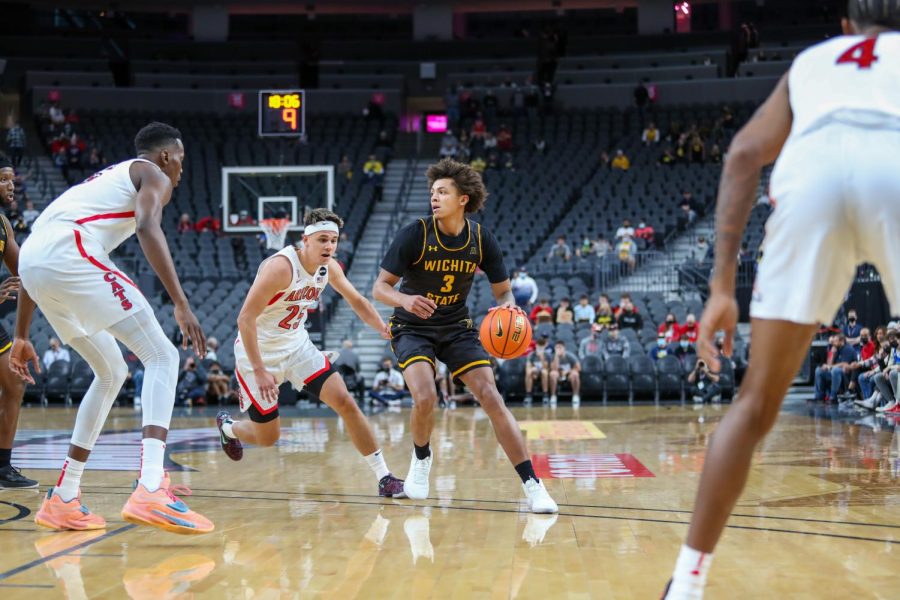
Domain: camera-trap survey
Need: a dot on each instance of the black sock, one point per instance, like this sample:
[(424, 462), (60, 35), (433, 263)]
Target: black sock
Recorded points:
[(5, 457), (422, 452), (526, 471)]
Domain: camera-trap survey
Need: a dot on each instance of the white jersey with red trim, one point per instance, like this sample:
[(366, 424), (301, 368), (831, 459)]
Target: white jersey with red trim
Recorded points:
[(847, 79), (280, 326), (102, 206)]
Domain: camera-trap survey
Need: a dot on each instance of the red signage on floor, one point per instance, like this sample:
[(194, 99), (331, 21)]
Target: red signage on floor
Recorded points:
[(588, 466)]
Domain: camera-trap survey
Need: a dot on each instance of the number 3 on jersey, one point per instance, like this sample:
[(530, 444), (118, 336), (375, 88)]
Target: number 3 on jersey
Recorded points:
[(293, 312), (861, 54)]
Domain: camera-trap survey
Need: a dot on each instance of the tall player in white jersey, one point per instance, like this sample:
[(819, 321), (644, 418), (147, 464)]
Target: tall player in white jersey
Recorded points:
[(833, 123), (273, 346), (65, 268)]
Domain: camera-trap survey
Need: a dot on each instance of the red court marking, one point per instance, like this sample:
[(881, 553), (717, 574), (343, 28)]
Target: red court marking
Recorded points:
[(588, 466)]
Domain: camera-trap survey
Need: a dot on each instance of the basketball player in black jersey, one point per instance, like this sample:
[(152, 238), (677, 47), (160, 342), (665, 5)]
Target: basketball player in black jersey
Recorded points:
[(12, 388), (436, 258)]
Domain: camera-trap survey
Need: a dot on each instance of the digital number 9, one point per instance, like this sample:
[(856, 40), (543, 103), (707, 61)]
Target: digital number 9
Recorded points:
[(289, 116)]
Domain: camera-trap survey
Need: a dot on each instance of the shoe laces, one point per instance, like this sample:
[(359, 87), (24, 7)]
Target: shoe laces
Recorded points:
[(177, 488), (421, 472)]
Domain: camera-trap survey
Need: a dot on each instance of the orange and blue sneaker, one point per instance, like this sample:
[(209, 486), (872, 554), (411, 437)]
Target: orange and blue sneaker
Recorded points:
[(72, 515), (164, 510), (232, 446)]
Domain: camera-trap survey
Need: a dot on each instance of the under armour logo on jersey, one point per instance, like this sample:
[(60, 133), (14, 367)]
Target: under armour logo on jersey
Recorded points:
[(118, 291), (473, 250), (432, 248)]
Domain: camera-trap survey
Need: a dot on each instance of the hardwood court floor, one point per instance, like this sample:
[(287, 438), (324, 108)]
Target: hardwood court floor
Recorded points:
[(820, 517)]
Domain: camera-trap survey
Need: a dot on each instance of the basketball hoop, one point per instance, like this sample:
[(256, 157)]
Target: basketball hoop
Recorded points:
[(276, 231)]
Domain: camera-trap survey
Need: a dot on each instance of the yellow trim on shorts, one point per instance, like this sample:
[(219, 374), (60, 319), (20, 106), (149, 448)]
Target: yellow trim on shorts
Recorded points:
[(413, 359), (6, 347), (471, 365), (424, 241)]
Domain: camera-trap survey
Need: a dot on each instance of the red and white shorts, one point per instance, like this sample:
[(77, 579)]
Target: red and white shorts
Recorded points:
[(74, 282), (299, 366)]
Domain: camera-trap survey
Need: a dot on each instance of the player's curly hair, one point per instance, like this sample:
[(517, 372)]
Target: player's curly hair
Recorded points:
[(468, 181), (883, 13), (322, 214), (154, 136)]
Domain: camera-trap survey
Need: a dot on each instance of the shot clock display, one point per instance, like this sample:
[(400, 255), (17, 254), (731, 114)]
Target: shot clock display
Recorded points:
[(282, 112)]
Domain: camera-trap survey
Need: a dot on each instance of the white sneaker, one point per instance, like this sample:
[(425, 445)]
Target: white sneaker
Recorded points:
[(553, 399), (537, 527), (576, 399), (539, 501), (889, 406), (868, 403), (416, 484)]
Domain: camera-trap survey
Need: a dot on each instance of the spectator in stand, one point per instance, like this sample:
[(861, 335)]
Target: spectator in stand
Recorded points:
[(217, 383), (614, 345), (345, 168), (537, 366), (565, 367), (667, 158), (191, 387), (604, 312), (560, 250), (625, 230), (95, 160), (591, 345), (669, 330), (478, 164), (645, 232), (628, 315), (620, 161), (57, 116), (661, 349), (464, 147), (686, 216), (184, 223), (880, 335), (684, 350), (387, 388), (540, 146), (212, 348), (584, 312), (542, 312), (524, 289), (703, 250), (626, 250), (852, 329), (704, 383), (373, 169), (835, 370), (698, 150), (715, 154), (869, 369), (601, 246), (586, 249), (504, 139), (490, 142), (564, 312), (651, 134), (75, 151), (479, 128), (54, 353), (15, 141), (864, 355), (449, 145), (604, 160), (212, 224), (30, 213), (61, 162), (689, 329)]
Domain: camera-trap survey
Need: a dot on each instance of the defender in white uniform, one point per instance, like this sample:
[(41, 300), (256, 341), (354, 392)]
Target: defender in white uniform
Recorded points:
[(65, 268), (273, 346), (833, 123)]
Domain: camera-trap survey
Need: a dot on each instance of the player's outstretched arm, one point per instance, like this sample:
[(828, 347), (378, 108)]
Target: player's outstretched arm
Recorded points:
[(273, 277), (503, 294), (384, 292), (360, 304), (154, 192), (757, 144)]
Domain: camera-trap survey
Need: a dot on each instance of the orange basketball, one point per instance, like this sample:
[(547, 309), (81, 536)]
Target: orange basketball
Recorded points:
[(505, 333)]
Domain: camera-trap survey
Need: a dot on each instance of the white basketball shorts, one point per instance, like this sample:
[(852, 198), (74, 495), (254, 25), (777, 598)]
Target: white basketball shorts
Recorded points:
[(74, 282), (299, 366), (836, 192)]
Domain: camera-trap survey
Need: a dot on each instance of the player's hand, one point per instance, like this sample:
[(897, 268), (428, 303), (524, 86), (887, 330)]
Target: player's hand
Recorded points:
[(386, 332), (720, 314), (265, 382), (21, 354), (509, 304), (9, 289), (420, 306), (190, 330)]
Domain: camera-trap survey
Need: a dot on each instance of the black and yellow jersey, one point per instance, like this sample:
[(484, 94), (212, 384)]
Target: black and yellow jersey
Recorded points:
[(442, 267), (5, 228)]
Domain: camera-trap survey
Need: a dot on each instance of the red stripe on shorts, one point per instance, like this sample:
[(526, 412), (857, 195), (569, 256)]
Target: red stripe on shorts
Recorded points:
[(97, 263), (319, 372), (249, 395), (118, 215)]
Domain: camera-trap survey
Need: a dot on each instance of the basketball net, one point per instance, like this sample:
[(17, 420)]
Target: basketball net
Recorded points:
[(276, 231)]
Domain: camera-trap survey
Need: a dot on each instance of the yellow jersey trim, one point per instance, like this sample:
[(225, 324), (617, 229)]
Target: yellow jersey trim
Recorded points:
[(414, 359), (6, 347), (424, 241), (480, 253), (437, 234), (471, 365)]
